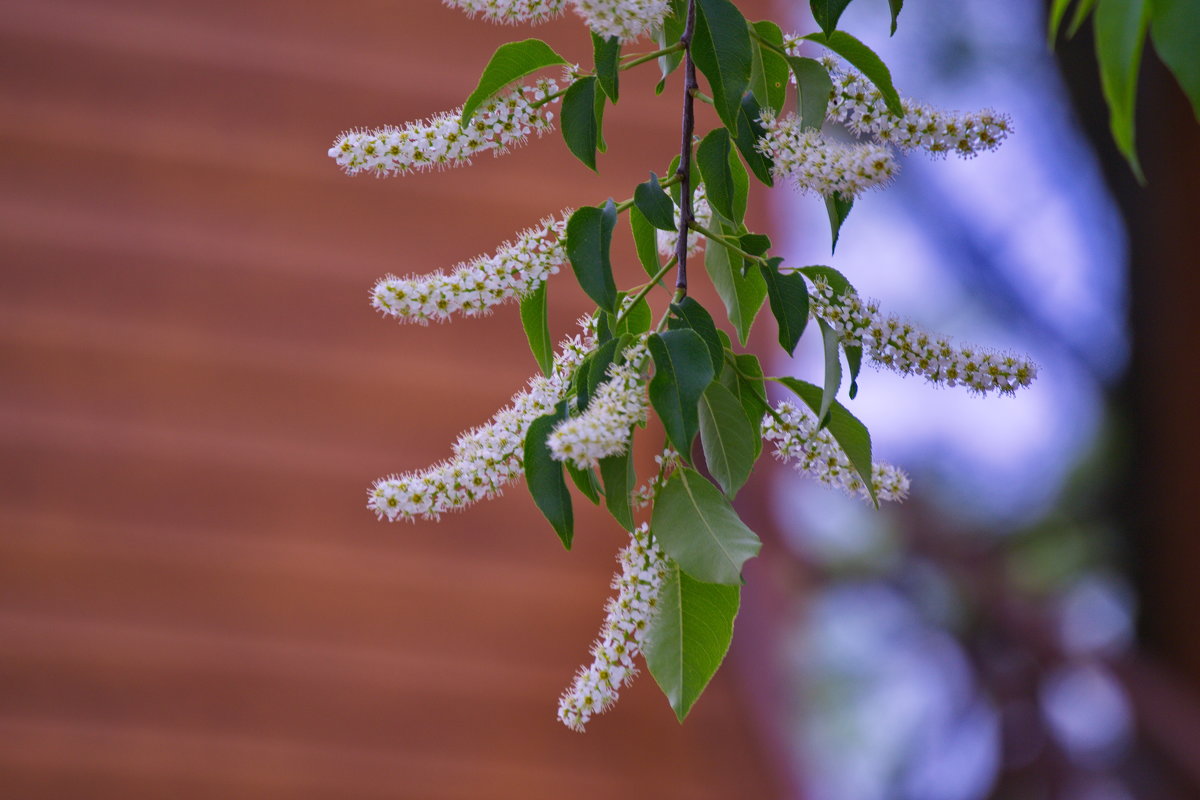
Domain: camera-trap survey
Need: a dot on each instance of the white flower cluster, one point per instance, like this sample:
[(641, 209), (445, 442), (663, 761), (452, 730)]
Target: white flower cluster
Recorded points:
[(859, 105), (603, 428), (627, 618), (500, 123), (643, 496), (625, 19), (702, 212), (473, 288), (814, 452), (486, 458), (511, 12), (899, 345), (819, 165)]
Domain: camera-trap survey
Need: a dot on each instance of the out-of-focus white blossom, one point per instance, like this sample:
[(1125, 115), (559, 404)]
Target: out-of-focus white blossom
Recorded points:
[(500, 123), (701, 212), (603, 428), (820, 165), (510, 12), (485, 459), (627, 619), (473, 288), (643, 496), (901, 346), (814, 452)]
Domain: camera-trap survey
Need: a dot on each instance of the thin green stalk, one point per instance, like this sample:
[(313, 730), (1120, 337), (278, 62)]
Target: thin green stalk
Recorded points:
[(645, 290), (642, 59), (724, 242)]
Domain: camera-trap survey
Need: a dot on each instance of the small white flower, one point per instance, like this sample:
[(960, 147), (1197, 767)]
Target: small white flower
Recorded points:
[(625, 19), (627, 618), (820, 165), (510, 12)]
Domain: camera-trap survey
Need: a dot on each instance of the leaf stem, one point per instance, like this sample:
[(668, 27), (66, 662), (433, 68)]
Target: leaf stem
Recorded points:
[(645, 290), (724, 242), (690, 87), (642, 59)]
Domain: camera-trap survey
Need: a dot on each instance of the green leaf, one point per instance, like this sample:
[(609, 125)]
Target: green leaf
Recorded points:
[(1080, 16), (724, 176), (743, 296), (833, 368), (537, 327), (579, 125), (1120, 30), (585, 481), (619, 480), (598, 101), (850, 434), (510, 61), (689, 637), (827, 12), (895, 6), (755, 243), (865, 61), (645, 241), (670, 33), (690, 315), (594, 368), (815, 87), (1058, 9), (788, 294), (727, 438), (544, 476), (653, 202), (635, 320), (589, 237), (749, 131), (607, 55), (838, 208), (682, 371), (1173, 30), (854, 356), (746, 384), (836, 280), (696, 526), (768, 69), (721, 50)]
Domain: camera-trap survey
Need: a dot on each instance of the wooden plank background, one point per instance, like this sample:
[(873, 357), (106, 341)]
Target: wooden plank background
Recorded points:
[(193, 601)]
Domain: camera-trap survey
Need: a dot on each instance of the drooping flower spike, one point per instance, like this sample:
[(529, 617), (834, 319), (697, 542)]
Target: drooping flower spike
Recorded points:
[(899, 345), (814, 453), (603, 428), (475, 287), (487, 458), (502, 122), (625, 19), (627, 618), (820, 165)]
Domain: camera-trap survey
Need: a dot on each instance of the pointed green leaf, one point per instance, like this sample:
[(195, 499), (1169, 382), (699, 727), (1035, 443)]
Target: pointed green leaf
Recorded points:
[(743, 296), (850, 434), (836, 280), (827, 13), (589, 237), (645, 241), (585, 481), (653, 202), (579, 125), (1173, 30), (838, 209), (689, 636), (724, 177), (721, 50), (1120, 30), (749, 131), (607, 55), (619, 480), (746, 384), (768, 69), (510, 61), (544, 477), (865, 61), (727, 438), (1058, 8), (682, 371), (896, 6), (815, 87), (689, 314), (788, 295), (833, 369), (696, 526), (670, 33), (598, 100), (1082, 11), (854, 355), (536, 323)]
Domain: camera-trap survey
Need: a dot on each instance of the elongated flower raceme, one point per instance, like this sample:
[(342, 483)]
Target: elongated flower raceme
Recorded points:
[(603, 428), (820, 165), (901, 346), (475, 287), (500, 123), (814, 452), (486, 459), (627, 618), (510, 12)]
